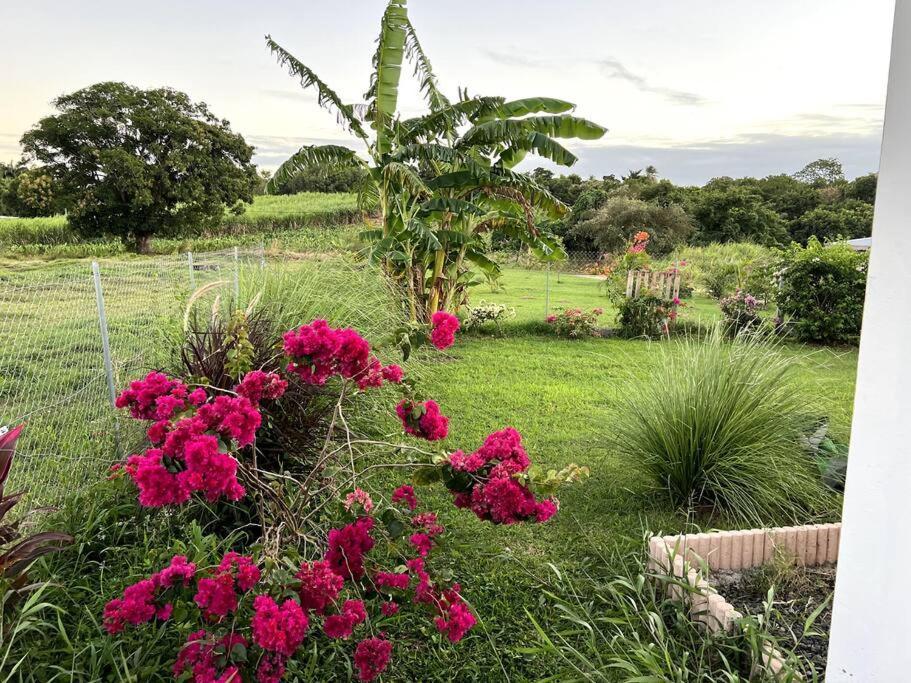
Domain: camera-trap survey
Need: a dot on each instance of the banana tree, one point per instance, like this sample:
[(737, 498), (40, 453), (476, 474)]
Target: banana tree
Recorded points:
[(442, 180)]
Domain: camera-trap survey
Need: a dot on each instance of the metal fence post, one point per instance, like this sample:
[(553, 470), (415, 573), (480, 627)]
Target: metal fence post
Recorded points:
[(236, 278), (262, 256), (106, 348), (547, 292), (192, 273)]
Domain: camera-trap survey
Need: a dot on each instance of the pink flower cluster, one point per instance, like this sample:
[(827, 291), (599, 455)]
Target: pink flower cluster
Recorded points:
[(202, 657), (186, 436), (217, 595), (494, 493), (157, 397), (145, 599), (347, 547), (443, 327), (318, 352), (423, 420), (371, 657), (258, 386), (278, 628)]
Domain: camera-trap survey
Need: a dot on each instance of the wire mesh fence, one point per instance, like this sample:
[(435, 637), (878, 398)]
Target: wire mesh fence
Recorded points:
[(71, 335)]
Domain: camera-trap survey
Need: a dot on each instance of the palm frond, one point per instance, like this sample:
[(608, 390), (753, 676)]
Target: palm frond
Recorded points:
[(326, 97), (383, 94), (323, 157), (541, 145), (524, 107), (500, 131), (423, 70)]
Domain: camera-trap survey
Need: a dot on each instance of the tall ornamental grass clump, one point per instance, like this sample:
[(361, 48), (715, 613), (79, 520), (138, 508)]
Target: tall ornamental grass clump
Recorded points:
[(718, 423)]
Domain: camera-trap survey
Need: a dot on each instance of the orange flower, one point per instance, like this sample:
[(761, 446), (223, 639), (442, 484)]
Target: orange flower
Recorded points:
[(641, 236)]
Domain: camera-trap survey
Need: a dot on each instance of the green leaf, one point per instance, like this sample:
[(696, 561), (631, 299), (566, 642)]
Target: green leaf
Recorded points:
[(424, 476), (507, 130), (325, 96), (322, 157), (383, 94)]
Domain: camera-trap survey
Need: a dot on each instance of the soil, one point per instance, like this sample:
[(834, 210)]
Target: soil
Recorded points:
[(799, 591)]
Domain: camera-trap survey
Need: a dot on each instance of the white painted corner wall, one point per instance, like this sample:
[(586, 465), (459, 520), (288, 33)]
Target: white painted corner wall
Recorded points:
[(871, 628)]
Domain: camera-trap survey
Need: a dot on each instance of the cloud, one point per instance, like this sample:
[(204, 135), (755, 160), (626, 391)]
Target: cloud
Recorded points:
[(516, 59), (756, 154), (293, 95), (614, 68)]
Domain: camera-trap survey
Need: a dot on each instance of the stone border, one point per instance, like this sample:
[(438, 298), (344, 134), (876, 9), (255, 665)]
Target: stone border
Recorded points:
[(692, 558)]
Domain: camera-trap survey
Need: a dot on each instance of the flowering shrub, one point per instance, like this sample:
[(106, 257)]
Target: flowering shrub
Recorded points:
[(741, 312), (193, 437), (318, 352), (423, 420), (494, 481), (574, 322), (248, 632), (443, 327), (486, 312), (646, 315), (250, 622)]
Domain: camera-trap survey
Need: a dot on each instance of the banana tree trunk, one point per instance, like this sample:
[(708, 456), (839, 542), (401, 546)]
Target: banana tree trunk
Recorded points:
[(439, 259), (454, 281)]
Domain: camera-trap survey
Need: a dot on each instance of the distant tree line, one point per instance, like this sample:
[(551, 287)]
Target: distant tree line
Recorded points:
[(775, 210)]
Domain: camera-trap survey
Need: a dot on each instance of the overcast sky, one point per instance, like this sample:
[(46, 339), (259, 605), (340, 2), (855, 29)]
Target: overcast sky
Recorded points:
[(698, 88)]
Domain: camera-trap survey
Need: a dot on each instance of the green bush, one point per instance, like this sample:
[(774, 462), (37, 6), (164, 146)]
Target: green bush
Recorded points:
[(822, 291), (645, 315), (719, 425)]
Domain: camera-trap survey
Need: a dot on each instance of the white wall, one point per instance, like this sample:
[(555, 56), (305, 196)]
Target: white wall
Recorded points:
[(871, 637)]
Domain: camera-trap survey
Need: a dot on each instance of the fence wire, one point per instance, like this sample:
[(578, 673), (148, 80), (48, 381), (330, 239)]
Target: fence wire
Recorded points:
[(53, 370)]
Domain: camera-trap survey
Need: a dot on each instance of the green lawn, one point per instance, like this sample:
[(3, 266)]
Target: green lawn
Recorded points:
[(525, 291), (561, 395)]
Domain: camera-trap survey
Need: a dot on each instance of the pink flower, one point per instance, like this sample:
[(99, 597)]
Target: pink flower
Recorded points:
[(422, 543), (319, 585), (423, 420), (371, 657), (201, 656), (257, 386), (405, 493), (359, 497), (428, 522), (443, 328), (391, 580), (393, 373), (342, 625), (455, 618), (347, 547), (389, 608), (551, 319), (155, 397), (278, 628)]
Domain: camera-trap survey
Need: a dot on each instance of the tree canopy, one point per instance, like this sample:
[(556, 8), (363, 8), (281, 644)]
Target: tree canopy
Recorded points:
[(136, 163)]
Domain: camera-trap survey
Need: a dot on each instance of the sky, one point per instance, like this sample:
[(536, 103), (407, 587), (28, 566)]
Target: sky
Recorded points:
[(699, 89)]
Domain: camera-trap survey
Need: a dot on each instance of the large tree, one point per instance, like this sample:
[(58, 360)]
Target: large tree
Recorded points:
[(444, 179), (136, 163), (611, 227)]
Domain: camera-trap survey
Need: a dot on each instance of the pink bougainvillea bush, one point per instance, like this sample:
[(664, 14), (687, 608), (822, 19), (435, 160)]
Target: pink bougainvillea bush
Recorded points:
[(194, 436), (247, 623), (243, 620)]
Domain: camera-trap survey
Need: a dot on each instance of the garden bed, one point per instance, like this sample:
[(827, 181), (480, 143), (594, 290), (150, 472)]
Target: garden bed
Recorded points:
[(802, 604)]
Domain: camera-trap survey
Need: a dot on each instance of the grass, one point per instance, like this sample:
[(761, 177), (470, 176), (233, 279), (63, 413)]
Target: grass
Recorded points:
[(719, 424), (293, 222), (562, 396)]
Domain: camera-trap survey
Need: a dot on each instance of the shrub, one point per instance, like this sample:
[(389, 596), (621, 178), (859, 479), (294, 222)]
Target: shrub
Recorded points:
[(740, 312), (487, 312), (575, 323), (822, 291), (719, 424), (646, 315)]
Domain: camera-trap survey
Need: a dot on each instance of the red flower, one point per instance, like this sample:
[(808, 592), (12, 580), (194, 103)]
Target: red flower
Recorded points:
[(371, 657)]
